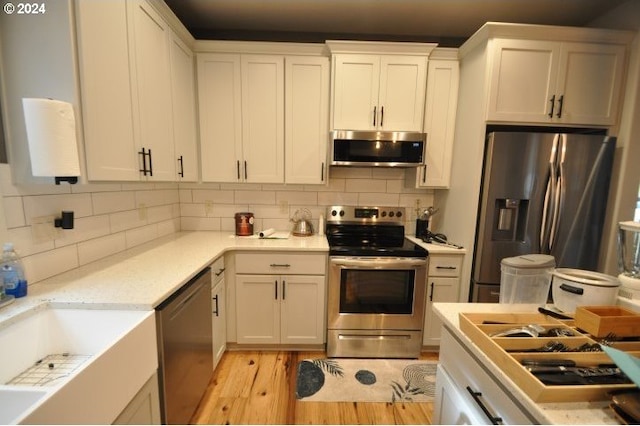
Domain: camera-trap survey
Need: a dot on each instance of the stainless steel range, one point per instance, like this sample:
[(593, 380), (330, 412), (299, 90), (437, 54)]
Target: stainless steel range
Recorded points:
[(377, 284)]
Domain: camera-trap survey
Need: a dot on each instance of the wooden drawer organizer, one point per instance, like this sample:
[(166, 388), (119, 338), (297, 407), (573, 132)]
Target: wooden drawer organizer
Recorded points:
[(504, 352)]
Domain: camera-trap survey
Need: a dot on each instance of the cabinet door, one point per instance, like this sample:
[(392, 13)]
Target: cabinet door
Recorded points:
[(439, 122), (219, 323), (263, 118), (107, 117), (450, 406), (356, 88), (589, 81), (438, 290), (152, 89), (306, 119), (402, 88), (220, 117), (184, 111), (523, 79), (258, 309), (302, 309)]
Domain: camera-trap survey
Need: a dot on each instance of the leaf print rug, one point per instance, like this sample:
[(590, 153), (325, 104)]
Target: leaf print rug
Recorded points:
[(366, 380)]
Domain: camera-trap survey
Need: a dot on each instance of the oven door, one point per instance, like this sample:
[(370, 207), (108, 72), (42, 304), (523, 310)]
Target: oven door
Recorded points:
[(368, 293)]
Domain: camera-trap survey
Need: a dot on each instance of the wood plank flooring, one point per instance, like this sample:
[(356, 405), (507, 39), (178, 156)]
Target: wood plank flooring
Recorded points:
[(251, 387)]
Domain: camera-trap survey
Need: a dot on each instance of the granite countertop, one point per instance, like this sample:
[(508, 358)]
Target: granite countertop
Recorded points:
[(596, 412), (143, 277)]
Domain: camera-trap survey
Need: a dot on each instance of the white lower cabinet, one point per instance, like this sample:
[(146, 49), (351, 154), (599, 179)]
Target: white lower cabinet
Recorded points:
[(219, 311), (280, 298), (144, 408), (443, 285), (467, 394)]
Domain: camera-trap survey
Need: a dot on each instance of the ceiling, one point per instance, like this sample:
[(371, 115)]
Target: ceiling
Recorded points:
[(448, 22)]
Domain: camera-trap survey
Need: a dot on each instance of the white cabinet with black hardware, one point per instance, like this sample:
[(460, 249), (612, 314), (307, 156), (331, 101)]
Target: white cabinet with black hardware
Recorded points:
[(219, 310), (443, 284), (241, 99), (280, 298), (379, 86), (545, 81)]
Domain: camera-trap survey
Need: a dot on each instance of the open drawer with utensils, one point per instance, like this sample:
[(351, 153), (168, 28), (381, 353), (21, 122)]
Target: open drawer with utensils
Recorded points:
[(550, 359)]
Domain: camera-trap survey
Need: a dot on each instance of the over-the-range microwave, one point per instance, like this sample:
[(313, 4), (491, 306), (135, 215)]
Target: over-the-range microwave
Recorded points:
[(371, 148)]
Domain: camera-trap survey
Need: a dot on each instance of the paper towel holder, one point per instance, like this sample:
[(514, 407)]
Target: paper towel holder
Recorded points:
[(64, 222)]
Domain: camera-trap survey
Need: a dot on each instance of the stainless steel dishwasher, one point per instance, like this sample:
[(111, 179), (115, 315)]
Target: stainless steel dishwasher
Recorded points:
[(185, 352)]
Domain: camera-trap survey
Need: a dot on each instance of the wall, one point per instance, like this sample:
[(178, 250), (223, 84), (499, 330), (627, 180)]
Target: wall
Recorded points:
[(112, 217)]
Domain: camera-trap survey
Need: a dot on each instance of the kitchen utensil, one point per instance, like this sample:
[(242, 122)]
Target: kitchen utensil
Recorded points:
[(554, 314), (302, 226), (531, 330), (574, 287)]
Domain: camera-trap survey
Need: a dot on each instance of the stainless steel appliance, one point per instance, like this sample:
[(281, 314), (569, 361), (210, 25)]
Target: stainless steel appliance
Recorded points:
[(371, 148), (541, 193), (185, 351), (377, 284)]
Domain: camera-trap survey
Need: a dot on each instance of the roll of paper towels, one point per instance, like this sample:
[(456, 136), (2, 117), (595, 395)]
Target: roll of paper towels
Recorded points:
[(51, 133)]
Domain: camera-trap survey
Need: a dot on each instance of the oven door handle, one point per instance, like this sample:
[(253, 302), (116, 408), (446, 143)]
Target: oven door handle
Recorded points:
[(378, 262)]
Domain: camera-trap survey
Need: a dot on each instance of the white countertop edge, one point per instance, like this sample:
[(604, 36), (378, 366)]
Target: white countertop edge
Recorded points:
[(595, 412), (436, 248)]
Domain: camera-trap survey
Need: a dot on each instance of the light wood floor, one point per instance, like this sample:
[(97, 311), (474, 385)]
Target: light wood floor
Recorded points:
[(259, 388)]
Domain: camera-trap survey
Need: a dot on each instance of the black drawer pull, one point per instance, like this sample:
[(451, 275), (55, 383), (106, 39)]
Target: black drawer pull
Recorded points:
[(280, 265), (447, 267), (219, 272), (496, 420)]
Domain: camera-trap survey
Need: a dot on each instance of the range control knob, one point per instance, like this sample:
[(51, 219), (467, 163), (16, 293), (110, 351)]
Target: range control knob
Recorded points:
[(341, 213), (399, 214), (334, 213), (391, 214), (383, 214)]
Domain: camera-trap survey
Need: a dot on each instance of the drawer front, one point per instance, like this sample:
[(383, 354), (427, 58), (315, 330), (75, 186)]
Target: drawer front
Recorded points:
[(217, 268), (445, 265), (281, 263), (469, 376)]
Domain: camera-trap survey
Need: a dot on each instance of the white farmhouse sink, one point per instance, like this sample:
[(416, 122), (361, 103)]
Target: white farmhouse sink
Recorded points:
[(117, 355)]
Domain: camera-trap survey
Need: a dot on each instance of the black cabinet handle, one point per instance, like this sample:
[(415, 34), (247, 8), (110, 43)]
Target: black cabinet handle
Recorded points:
[(375, 113), (144, 162), (217, 311), (431, 293), (447, 267), (181, 172), (553, 104), (276, 286), (424, 174), (150, 164), (219, 272), (322, 172), (496, 420), (238, 166), (284, 289), (560, 104), (245, 170), (381, 116)]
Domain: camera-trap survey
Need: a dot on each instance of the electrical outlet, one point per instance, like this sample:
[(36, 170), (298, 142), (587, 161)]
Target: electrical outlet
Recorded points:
[(208, 207), (142, 211), (284, 206)]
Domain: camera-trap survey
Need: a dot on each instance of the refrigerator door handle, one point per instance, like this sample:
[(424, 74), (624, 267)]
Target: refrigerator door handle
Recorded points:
[(560, 192), (550, 199)]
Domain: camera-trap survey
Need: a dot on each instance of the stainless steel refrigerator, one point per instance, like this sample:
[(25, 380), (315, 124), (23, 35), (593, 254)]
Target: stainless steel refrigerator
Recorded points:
[(541, 193)]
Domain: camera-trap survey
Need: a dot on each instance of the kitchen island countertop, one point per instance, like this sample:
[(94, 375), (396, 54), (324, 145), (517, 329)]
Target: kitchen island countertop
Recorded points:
[(595, 412)]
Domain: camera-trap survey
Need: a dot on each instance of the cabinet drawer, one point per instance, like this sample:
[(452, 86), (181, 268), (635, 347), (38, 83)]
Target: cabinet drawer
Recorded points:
[(468, 375), (281, 263), (217, 268), (447, 265)]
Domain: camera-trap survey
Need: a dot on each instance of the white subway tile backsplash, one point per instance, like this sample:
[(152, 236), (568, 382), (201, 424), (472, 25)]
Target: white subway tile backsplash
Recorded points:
[(168, 226), (44, 205), (193, 210), (185, 195), (92, 250), (49, 263), (212, 195), (85, 228), (337, 198), (111, 202), (26, 244), (141, 235), (366, 185), (13, 212), (373, 199), (160, 213), (255, 197), (297, 197), (130, 219), (200, 223)]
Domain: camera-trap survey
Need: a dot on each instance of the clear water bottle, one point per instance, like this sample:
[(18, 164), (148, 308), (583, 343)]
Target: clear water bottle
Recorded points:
[(12, 272)]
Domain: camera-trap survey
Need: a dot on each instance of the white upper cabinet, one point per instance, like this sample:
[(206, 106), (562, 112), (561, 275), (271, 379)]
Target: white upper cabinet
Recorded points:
[(241, 100), (306, 119), (107, 116), (220, 117), (439, 121), (555, 82), (263, 118), (151, 75), (373, 92), (184, 111), (134, 89)]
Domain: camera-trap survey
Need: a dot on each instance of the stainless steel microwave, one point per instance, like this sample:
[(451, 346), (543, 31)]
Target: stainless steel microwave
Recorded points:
[(381, 149)]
